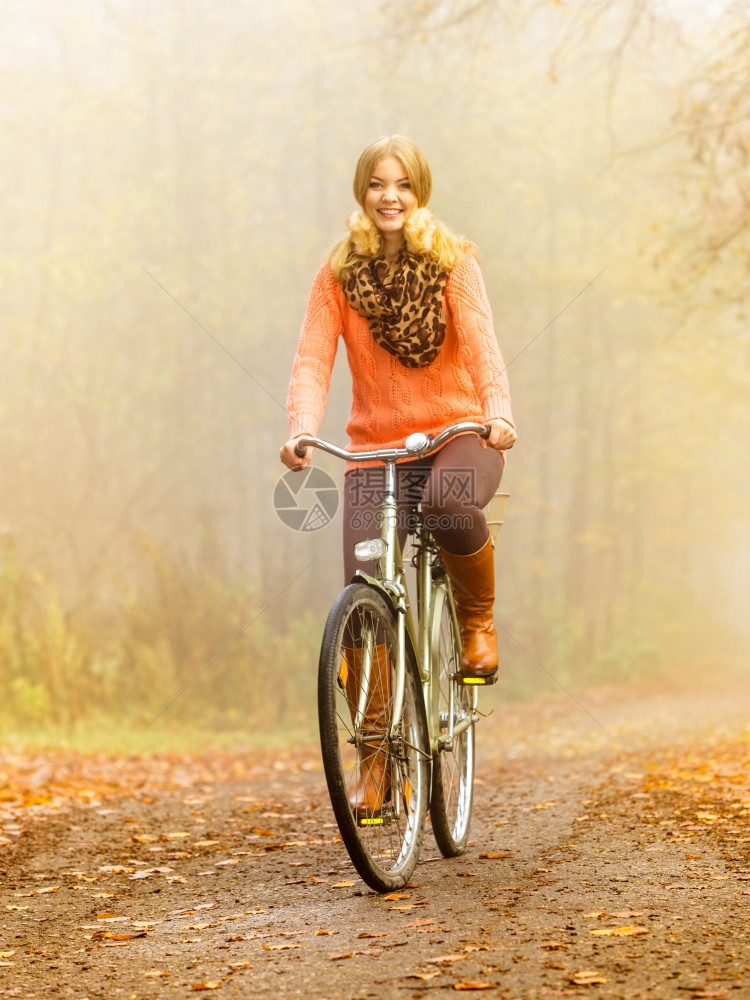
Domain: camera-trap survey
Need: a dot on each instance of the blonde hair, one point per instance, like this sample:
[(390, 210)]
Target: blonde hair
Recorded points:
[(411, 157), (423, 232)]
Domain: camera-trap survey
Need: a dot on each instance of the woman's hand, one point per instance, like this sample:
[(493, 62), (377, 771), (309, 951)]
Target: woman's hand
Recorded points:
[(291, 459), (502, 435)]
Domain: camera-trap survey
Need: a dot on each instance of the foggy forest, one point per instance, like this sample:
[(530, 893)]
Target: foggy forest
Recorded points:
[(173, 174)]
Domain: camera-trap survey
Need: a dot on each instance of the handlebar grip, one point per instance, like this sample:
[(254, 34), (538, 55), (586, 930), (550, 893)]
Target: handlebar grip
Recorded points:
[(486, 432), (300, 452)]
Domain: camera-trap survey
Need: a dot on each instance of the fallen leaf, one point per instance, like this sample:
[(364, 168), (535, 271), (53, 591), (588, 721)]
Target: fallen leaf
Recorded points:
[(587, 977), (445, 959), (323, 932), (240, 965), (345, 884), (281, 947), (553, 945), (504, 854), (421, 975), (472, 986), (420, 923), (395, 896), (629, 931), (156, 974), (336, 958), (373, 934), (206, 986)]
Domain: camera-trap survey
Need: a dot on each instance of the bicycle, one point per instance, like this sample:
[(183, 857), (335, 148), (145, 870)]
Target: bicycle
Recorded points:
[(396, 718)]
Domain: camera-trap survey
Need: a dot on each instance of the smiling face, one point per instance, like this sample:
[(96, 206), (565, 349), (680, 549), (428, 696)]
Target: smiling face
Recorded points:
[(390, 200)]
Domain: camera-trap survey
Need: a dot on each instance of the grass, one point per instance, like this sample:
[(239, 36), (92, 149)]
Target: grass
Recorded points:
[(119, 738)]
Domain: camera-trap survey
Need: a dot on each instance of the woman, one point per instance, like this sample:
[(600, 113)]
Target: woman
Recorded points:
[(408, 299)]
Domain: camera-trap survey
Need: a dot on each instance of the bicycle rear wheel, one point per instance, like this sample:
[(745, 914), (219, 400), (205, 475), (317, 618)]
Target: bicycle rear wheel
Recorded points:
[(378, 781), (453, 759)]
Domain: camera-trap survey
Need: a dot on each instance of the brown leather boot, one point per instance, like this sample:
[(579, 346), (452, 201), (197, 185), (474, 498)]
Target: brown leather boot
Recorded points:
[(374, 782), (473, 583)]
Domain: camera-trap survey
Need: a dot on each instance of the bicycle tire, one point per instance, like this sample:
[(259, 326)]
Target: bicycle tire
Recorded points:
[(452, 791), (383, 843)]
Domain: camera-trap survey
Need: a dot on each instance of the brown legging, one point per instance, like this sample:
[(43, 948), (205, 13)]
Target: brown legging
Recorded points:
[(452, 485)]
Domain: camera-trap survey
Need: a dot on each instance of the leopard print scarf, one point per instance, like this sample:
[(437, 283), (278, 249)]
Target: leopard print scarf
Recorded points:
[(403, 305)]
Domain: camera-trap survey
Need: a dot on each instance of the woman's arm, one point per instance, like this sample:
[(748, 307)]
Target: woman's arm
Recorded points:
[(313, 364), (472, 316)]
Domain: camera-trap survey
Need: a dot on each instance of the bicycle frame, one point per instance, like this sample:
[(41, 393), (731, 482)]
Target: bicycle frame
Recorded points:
[(391, 582)]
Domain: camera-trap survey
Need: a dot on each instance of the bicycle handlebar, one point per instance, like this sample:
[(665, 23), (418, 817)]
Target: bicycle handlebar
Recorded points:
[(417, 445)]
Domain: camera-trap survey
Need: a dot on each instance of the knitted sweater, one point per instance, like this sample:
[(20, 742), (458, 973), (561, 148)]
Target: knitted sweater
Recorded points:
[(466, 381)]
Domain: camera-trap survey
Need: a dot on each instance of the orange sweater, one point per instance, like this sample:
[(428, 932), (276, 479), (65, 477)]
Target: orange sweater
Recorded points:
[(466, 381)]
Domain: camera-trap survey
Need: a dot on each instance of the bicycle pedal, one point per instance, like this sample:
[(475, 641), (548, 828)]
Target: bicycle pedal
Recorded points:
[(379, 817), (475, 681), (370, 821)]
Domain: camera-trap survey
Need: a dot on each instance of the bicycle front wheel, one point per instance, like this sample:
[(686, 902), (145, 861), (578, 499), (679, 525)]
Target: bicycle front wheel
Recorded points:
[(453, 758), (377, 773)]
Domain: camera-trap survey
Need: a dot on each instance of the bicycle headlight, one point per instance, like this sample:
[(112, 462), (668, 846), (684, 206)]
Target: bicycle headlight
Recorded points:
[(370, 548)]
